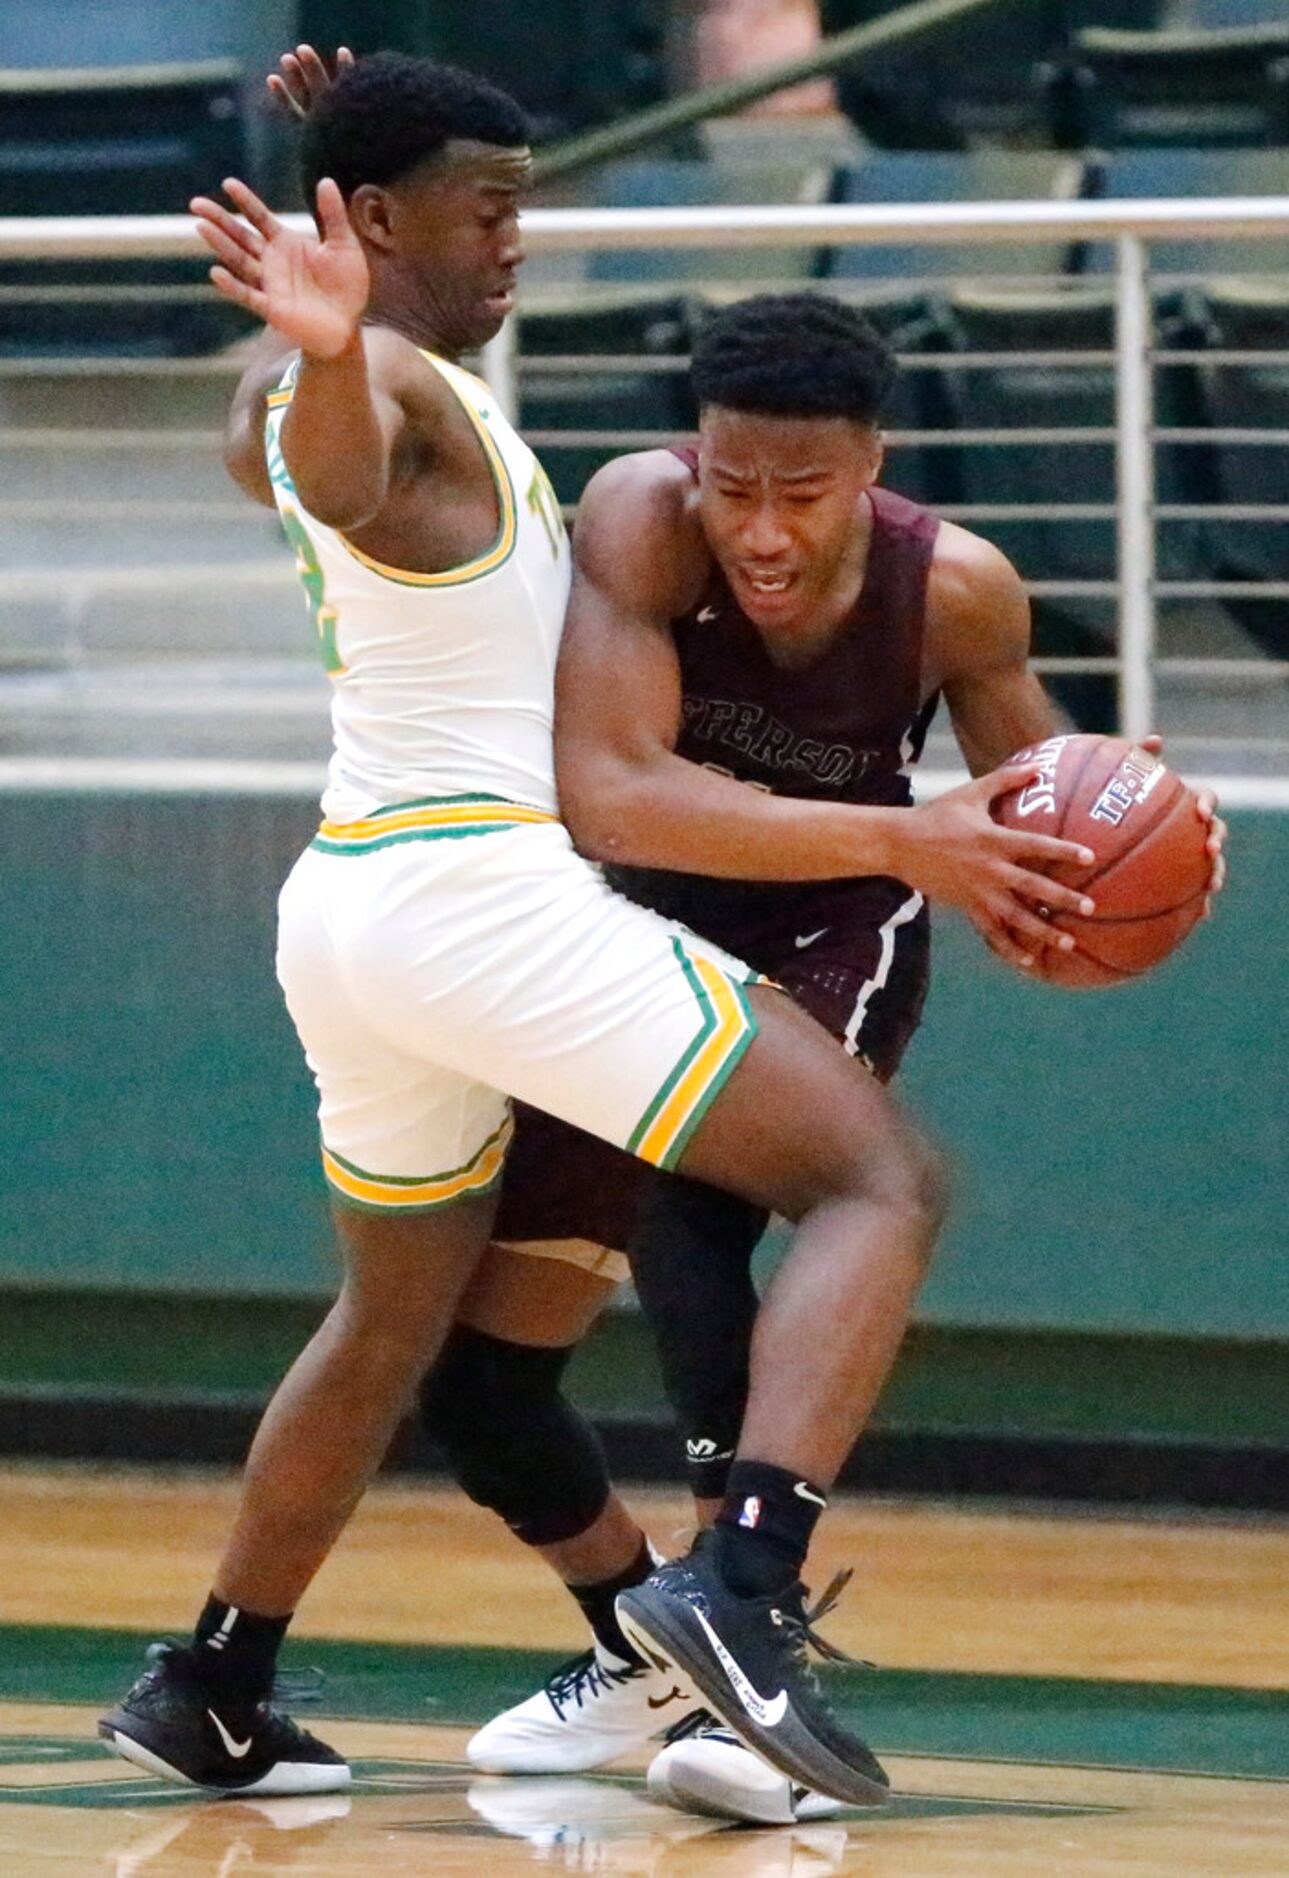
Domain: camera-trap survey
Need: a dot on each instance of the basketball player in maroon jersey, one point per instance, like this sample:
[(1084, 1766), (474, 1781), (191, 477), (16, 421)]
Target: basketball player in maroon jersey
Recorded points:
[(757, 611)]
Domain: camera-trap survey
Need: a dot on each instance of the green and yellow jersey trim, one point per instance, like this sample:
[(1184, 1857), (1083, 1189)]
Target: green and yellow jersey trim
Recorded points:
[(507, 535), (383, 1193), (436, 818), (726, 1029), (508, 509)]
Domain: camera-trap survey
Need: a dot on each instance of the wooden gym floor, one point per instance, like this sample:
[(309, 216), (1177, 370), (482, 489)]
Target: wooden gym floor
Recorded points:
[(1058, 1693)]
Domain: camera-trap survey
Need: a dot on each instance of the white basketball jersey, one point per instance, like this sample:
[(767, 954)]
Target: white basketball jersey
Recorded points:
[(443, 683)]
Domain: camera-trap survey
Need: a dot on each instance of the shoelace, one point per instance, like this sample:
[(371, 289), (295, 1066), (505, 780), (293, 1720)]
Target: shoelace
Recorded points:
[(586, 1676), (802, 1626), (802, 1632)]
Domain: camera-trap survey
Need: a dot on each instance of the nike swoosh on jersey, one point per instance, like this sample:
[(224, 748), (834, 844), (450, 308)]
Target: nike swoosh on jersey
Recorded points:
[(809, 938), (770, 1713), (236, 1748), (707, 613)]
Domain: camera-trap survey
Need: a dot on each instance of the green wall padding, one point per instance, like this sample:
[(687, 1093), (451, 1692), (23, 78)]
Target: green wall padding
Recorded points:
[(1120, 1154)]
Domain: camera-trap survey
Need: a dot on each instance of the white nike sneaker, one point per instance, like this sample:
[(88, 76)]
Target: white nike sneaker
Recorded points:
[(707, 1769), (589, 1712)]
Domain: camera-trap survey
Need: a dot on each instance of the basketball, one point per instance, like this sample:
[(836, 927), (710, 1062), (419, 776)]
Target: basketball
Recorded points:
[(1151, 871)]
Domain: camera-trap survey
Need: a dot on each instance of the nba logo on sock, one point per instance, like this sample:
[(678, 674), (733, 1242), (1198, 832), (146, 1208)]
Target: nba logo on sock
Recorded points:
[(751, 1514)]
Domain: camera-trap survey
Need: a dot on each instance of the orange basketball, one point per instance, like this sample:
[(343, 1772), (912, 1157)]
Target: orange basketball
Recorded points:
[(1151, 870)]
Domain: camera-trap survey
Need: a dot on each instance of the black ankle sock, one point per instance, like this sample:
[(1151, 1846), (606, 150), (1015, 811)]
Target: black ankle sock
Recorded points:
[(596, 1602), (236, 1651), (763, 1530)]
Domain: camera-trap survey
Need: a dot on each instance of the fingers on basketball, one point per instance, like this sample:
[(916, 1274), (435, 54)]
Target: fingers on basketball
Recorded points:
[(1150, 877)]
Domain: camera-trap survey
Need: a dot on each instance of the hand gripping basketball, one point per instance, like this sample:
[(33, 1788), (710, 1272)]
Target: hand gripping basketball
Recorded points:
[(1156, 845)]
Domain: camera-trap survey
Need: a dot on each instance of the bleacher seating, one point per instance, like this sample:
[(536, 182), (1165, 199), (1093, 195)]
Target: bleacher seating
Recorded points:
[(136, 140), (128, 140), (168, 578), (1143, 174), (997, 175), (1186, 88), (680, 183), (941, 94)]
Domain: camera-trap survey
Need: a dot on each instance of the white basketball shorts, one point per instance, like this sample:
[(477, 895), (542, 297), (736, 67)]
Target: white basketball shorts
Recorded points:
[(442, 956)]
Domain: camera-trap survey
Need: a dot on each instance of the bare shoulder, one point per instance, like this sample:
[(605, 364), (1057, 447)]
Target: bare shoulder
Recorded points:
[(398, 369), (638, 529), (977, 608), (650, 486), (969, 573)]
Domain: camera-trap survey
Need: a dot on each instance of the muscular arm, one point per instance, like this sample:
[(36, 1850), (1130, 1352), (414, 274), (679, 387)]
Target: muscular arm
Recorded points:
[(978, 651), (348, 424), (626, 795), (342, 434)]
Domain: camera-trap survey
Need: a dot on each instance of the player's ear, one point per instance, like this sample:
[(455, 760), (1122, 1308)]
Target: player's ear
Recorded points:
[(370, 212), (876, 453)]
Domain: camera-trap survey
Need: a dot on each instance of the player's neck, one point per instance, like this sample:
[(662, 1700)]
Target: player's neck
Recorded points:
[(424, 333)]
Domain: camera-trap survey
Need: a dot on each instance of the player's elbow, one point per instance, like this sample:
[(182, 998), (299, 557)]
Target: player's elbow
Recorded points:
[(604, 802)]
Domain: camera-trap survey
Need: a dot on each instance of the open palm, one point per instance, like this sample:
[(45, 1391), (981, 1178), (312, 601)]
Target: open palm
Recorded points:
[(312, 291)]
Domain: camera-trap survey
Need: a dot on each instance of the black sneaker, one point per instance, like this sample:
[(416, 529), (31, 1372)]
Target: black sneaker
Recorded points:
[(747, 1657), (169, 1725)]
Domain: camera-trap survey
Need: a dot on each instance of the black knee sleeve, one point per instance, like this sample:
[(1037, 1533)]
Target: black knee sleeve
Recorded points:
[(691, 1261), (511, 1440)]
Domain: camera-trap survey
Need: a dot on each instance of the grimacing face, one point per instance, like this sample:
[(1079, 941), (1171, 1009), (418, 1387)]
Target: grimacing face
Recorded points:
[(781, 500), (449, 240)]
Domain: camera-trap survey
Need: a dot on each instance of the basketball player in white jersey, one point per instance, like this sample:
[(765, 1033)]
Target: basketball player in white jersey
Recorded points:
[(443, 947)]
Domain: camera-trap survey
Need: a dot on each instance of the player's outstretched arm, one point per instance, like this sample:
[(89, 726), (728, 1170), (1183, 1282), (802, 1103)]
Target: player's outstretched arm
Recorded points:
[(346, 416)]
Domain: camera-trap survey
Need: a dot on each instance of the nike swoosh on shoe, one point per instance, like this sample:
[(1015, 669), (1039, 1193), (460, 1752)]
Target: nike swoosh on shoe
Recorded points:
[(236, 1748), (768, 1713)]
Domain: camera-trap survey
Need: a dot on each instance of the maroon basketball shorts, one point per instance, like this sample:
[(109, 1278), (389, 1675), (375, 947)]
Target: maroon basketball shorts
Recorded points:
[(855, 954)]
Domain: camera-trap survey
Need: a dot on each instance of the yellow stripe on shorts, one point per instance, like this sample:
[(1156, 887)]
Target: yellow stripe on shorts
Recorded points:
[(434, 819), (727, 1028), (382, 1193)]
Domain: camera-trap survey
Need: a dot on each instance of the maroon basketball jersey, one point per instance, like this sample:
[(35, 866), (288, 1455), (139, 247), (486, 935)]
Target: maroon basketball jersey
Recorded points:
[(843, 728), (846, 727)]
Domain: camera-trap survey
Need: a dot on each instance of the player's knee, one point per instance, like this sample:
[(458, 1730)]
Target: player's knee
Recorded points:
[(511, 1440), (907, 1178), (930, 1186)]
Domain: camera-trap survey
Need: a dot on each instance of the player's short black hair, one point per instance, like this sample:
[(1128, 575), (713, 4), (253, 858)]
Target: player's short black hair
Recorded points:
[(792, 355), (387, 113)]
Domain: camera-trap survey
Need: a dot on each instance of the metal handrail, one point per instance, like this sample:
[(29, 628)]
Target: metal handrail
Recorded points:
[(1202, 218), (1130, 225)]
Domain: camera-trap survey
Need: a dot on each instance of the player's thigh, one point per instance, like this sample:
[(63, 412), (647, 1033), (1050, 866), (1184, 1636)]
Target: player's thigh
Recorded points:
[(540, 1293), (799, 1122), (402, 1134)]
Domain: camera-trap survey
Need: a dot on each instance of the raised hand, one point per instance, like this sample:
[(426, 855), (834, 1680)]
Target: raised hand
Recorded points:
[(953, 851), (311, 291), (304, 77)]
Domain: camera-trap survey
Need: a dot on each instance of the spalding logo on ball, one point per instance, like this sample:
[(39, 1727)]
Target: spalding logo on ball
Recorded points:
[(1151, 873)]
